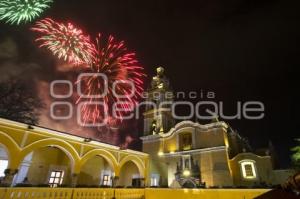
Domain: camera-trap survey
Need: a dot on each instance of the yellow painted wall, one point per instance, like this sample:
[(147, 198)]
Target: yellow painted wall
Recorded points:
[(203, 193), (2, 192), (263, 165), (45, 159), (203, 139), (127, 171), (171, 167), (158, 165), (213, 137), (15, 133), (20, 140), (91, 171), (214, 168)]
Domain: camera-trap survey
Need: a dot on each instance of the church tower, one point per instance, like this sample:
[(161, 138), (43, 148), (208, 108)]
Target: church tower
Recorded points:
[(157, 116)]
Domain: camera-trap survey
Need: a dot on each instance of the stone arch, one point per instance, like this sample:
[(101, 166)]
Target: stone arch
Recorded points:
[(11, 147), (188, 183), (110, 158), (67, 148), (137, 161)]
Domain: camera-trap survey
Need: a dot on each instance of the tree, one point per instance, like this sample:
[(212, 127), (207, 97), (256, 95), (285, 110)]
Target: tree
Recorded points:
[(296, 155), (19, 102)]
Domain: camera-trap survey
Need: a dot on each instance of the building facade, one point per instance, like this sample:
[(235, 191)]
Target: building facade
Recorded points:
[(41, 157), (186, 154), (189, 154)]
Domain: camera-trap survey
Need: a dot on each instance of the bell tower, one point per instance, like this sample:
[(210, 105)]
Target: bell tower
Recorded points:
[(158, 114)]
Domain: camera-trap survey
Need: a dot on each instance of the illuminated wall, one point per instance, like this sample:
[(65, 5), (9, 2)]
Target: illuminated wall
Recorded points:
[(128, 171), (262, 169), (208, 148), (45, 160), (92, 171), (56, 150)]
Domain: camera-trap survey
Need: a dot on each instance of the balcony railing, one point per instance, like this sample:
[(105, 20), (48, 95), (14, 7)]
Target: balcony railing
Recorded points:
[(128, 193), (71, 193)]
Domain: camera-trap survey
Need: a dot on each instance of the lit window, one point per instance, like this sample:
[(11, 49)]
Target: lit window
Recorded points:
[(186, 160), (56, 178), (248, 169), (3, 166), (106, 180), (154, 180)]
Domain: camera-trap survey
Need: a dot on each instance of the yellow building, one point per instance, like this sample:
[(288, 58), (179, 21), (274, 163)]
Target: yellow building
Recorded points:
[(192, 154), (40, 156), (186, 154), (189, 154)]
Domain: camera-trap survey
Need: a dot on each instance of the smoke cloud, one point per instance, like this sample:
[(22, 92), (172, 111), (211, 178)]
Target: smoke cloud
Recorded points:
[(39, 69)]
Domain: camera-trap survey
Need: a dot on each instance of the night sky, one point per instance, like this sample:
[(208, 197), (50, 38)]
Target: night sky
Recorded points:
[(241, 50)]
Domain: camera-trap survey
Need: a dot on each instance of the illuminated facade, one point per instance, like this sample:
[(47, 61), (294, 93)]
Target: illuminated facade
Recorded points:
[(186, 154), (189, 154), (40, 157)]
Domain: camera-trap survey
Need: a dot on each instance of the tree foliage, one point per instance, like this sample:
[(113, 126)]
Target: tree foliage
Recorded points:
[(296, 155), (19, 102)]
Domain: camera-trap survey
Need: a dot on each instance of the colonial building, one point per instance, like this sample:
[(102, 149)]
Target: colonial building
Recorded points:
[(41, 157), (189, 154), (186, 154)]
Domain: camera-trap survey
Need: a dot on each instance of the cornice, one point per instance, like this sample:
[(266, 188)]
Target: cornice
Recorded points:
[(182, 125)]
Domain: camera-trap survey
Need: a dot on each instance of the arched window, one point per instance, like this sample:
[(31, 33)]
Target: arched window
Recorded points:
[(3, 161), (3, 166)]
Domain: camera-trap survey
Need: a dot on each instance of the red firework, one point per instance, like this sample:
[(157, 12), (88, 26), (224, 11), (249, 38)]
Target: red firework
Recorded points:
[(111, 71), (110, 95), (65, 41)]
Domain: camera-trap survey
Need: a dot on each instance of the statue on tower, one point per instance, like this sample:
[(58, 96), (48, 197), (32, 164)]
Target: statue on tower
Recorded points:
[(158, 117), (160, 81)]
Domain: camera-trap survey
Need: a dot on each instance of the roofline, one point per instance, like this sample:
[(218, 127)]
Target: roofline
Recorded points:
[(179, 125), (72, 137), (249, 153)]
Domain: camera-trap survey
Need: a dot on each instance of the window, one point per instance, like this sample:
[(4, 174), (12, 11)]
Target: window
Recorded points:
[(186, 141), (3, 166), (186, 162), (136, 182), (154, 180), (56, 178), (248, 169), (105, 180)]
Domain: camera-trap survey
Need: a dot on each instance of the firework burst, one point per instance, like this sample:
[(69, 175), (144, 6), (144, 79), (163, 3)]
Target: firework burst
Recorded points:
[(65, 41), (115, 64), (22, 11)]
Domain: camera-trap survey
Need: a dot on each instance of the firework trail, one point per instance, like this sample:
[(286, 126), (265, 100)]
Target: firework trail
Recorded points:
[(65, 41), (117, 64), (22, 11), (112, 78)]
